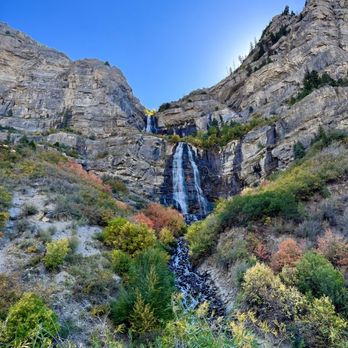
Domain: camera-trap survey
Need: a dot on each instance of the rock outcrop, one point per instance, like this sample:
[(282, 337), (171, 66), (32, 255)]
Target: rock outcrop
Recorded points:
[(88, 106)]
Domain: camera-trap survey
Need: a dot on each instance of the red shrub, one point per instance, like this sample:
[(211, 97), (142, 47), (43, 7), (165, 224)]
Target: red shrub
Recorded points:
[(261, 251), (141, 218), (90, 176), (334, 248), (165, 217), (289, 252)]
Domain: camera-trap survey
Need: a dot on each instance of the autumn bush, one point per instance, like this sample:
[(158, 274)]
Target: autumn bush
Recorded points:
[(166, 236), (270, 300), (29, 323), (148, 290), (334, 247), (88, 176), (322, 327), (141, 218), (56, 253), (289, 252), (128, 237), (165, 217)]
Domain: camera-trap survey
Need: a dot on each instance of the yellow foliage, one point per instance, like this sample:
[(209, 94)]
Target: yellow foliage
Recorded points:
[(142, 319), (166, 236)]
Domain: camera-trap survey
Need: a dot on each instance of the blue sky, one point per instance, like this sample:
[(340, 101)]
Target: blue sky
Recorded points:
[(165, 48)]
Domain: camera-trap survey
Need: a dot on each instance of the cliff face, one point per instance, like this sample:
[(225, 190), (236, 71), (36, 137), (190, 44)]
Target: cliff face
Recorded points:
[(273, 72), (88, 105)]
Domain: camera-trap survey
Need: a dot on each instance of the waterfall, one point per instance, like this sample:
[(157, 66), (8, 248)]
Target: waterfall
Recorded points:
[(202, 201), (181, 197), (179, 192), (150, 124)]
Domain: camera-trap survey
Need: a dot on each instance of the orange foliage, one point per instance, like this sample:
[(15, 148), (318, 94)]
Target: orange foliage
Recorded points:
[(289, 252), (261, 251), (334, 248), (90, 176), (163, 217), (141, 218)]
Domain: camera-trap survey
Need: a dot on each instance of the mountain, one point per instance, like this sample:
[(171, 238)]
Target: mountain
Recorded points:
[(251, 175), (88, 105)]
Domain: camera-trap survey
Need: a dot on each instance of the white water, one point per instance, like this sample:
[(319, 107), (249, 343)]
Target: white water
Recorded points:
[(202, 201), (150, 124), (179, 193)]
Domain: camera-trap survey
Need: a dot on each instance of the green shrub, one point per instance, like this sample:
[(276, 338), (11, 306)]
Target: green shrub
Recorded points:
[(231, 251), (193, 330), (201, 236), (313, 81), (322, 327), (150, 285), (56, 253), (239, 270), (5, 201), (29, 210), (164, 107), (221, 135), (317, 277), (251, 207), (30, 322), (128, 237), (120, 261), (117, 185), (299, 150), (9, 294)]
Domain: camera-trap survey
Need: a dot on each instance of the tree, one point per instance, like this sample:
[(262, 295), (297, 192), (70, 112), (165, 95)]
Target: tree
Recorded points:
[(299, 150), (286, 11)]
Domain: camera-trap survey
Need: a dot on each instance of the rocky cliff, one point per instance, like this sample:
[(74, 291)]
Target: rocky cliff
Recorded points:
[(88, 106)]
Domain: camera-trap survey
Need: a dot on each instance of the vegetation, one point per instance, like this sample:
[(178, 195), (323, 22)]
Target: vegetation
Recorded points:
[(144, 302), (313, 81), (56, 252), (5, 200), (281, 197), (29, 322), (220, 135), (316, 277), (128, 237), (9, 294), (165, 217), (194, 330)]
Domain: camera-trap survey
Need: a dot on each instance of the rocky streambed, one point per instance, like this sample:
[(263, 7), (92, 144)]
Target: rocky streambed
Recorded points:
[(195, 287)]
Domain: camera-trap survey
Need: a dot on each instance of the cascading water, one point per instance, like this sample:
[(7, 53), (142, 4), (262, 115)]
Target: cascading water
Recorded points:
[(195, 287), (202, 201), (179, 191), (150, 124)]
